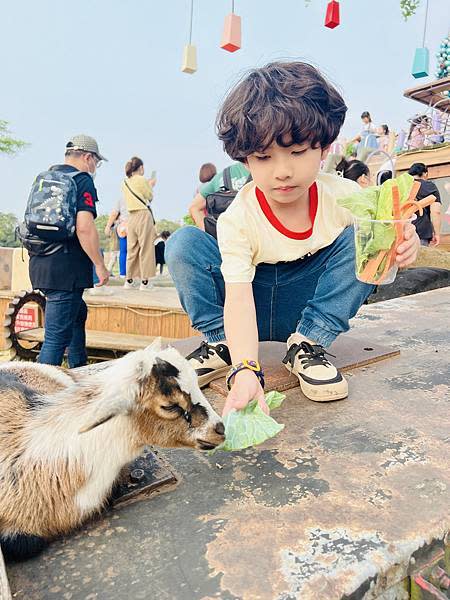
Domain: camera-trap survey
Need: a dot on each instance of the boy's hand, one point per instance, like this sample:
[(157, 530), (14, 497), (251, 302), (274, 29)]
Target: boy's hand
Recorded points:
[(245, 388), (408, 249)]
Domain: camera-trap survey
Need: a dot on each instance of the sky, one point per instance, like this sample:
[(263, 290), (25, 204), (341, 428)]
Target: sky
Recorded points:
[(112, 69)]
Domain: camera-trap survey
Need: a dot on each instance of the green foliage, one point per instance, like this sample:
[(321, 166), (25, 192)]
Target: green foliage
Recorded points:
[(409, 7), (165, 225), (350, 150), (8, 145), (100, 223), (188, 220), (8, 223)]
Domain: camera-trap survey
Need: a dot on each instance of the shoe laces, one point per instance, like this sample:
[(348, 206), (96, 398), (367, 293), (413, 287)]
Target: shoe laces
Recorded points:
[(202, 353), (313, 355)]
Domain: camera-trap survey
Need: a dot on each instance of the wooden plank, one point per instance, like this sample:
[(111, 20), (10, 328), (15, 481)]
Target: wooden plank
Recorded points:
[(430, 93), (5, 592), (102, 340), (436, 159), (158, 298)]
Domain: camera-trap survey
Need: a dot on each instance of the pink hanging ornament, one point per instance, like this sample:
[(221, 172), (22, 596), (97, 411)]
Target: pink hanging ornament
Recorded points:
[(231, 37)]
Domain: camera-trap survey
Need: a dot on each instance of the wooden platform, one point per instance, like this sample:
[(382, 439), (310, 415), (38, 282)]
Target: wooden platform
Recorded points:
[(431, 93), (157, 313), (117, 342), (436, 159)]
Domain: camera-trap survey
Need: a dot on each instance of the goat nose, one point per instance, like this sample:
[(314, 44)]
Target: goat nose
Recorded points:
[(219, 428)]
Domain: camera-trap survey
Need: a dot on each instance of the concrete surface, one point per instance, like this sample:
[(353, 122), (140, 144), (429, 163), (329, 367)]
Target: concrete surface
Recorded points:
[(333, 507)]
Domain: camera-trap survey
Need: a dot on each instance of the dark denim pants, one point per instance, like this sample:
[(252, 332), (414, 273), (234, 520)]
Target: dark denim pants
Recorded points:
[(315, 295), (65, 318)]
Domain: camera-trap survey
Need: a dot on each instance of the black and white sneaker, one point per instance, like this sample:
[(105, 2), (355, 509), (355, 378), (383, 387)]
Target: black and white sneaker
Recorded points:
[(319, 379), (210, 361)]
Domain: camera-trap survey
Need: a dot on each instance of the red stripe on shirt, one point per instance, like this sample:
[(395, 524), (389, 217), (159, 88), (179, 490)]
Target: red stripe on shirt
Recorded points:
[(295, 235)]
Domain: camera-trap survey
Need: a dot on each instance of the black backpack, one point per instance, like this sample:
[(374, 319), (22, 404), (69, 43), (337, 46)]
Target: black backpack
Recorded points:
[(51, 212), (219, 201)]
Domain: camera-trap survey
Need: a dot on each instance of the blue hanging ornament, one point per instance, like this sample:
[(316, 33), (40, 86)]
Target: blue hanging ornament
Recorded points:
[(421, 64)]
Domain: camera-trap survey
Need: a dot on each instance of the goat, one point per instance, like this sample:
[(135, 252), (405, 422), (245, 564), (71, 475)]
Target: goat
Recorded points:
[(65, 436)]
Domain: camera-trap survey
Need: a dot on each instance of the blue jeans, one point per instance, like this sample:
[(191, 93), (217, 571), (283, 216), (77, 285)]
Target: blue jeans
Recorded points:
[(123, 256), (315, 295), (65, 318)]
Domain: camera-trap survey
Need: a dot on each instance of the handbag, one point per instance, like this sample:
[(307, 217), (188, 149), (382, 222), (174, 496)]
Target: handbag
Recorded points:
[(140, 200)]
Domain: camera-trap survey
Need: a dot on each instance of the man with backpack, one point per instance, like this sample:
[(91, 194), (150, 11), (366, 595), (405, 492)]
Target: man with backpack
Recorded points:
[(62, 240), (216, 195)]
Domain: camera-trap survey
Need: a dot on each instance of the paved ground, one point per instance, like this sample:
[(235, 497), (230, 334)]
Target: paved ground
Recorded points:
[(343, 494)]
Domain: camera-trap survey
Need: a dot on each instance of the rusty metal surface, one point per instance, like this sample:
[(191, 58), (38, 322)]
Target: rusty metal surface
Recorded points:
[(142, 477), (333, 507)]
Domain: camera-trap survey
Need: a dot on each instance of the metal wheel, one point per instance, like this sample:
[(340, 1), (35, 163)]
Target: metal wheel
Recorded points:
[(11, 329)]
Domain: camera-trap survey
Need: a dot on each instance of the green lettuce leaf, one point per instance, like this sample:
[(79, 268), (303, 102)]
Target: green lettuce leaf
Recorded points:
[(251, 426)]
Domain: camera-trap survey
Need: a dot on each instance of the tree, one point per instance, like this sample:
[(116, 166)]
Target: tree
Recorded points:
[(409, 7), (8, 145), (188, 220), (8, 223), (100, 223), (165, 225)]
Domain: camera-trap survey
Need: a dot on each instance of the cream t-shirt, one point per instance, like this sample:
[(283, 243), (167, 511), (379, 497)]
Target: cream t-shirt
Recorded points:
[(248, 232)]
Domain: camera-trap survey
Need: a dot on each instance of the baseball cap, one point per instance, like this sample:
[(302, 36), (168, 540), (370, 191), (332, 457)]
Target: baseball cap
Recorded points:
[(86, 144)]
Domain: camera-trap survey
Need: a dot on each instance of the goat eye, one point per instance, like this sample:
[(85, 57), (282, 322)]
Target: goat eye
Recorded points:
[(171, 407), (187, 416)]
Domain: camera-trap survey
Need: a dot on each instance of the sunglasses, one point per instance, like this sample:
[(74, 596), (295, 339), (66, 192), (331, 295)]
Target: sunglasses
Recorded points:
[(98, 161)]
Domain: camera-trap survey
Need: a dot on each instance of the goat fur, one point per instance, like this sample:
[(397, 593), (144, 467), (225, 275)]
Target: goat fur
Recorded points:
[(52, 476)]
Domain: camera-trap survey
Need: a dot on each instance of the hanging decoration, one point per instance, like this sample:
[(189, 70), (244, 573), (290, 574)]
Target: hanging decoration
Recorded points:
[(190, 51), (332, 18), (443, 59), (421, 62), (231, 37), (409, 7)]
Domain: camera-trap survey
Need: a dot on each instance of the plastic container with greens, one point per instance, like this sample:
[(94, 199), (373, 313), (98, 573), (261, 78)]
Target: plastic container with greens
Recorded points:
[(380, 216)]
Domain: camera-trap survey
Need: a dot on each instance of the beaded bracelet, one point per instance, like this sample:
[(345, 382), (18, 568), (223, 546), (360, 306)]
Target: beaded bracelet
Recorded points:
[(251, 365)]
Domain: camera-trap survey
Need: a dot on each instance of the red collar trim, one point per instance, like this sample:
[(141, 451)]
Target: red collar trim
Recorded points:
[(294, 235)]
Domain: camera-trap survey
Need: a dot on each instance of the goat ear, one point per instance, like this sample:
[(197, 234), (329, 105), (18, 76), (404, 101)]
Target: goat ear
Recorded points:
[(163, 368), (155, 346), (97, 423)]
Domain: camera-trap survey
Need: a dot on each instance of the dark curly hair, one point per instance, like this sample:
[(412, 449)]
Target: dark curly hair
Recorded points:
[(281, 100)]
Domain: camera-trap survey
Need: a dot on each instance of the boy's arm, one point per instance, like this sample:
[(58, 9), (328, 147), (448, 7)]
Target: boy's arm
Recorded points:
[(241, 333), (197, 211)]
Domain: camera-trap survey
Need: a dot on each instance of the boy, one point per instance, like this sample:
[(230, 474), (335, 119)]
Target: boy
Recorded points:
[(283, 268)]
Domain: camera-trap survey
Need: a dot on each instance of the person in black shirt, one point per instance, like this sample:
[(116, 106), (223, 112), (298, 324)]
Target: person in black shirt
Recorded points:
[(428, 226), (64, 275)]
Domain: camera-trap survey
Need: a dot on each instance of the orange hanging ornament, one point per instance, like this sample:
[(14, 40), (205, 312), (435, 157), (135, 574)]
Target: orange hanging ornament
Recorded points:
[(332, 18), (231, 37)]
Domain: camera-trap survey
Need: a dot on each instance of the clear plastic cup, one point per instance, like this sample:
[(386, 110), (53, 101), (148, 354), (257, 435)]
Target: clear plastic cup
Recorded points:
[(376, 248)]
